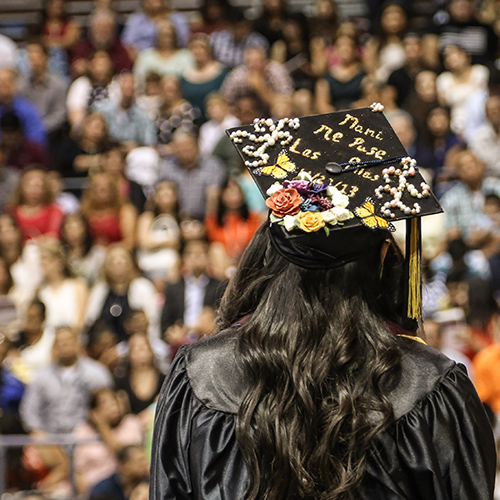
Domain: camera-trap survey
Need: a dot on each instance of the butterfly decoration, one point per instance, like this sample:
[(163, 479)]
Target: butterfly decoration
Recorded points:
[(281, 169), (366, 213)]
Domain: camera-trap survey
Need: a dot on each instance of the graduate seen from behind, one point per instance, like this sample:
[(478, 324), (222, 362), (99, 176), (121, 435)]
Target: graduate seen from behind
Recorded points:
[(316, 386)]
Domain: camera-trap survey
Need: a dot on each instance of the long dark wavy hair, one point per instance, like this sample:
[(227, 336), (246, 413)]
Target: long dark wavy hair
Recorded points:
[(320, 357)]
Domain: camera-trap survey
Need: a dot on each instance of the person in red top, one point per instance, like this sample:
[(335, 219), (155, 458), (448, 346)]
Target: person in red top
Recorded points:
[(229, 222), (33, 206), (110, 219)]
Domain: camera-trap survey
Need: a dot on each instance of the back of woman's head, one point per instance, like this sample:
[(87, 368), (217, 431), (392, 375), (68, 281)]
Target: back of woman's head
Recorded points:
[(319, 356)]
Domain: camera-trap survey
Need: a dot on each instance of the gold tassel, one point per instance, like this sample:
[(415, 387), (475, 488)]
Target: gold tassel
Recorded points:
[(414, 271)]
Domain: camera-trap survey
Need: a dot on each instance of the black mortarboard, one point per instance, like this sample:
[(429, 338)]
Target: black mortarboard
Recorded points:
[(334, 184)]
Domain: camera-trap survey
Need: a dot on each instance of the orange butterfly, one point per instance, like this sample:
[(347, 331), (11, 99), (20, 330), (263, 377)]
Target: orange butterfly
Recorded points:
[(283, 167), (366, 213)]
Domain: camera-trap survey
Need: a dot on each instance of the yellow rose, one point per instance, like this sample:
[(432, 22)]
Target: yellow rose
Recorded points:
[(311, 221)]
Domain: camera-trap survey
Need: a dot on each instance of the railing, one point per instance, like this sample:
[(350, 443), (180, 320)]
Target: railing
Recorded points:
[(67, 441)]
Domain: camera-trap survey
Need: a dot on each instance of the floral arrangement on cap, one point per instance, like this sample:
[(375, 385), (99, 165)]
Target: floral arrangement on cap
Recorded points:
[(307, 204)]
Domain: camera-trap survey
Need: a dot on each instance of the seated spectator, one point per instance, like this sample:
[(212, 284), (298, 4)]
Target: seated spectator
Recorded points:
[(259, 76), (8, 52), (102, 344), (133, 469), (96, 84), (23, 259), (271, 21), (485, 141), (455, 85), (220, 119), (82, 153), (113, 164), (120, 290), (11, 393), (110, 219), (158, 235), (384, 51), (33, 208), (229, 222), (212, 16), (127, 122), (230, 44), (175, 113), (140, 492), (194, 176), (10, 101), (403, 78), (64, 296), (45, 90), (464, 203), (67, 202), (205, 77), (60, 32), (113, 428), (34, 342), (102, 36), (165, 58), (7, 298), (340, 87), (9, 178), (139, 378), (460, 26), (150, 100), (324, 22), (141, 30), (21, 152), (185, 299), (58, 398)]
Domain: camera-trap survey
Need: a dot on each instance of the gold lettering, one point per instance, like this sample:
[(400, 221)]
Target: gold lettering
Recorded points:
[(306, 153), (344, 187), (347, 118), (337, 136), (294, 146), (367, 175), (315, 155), (379, 135), (356, 142), (354, 159), (354, 190), (380, 154), (358, 128), (370, 132)]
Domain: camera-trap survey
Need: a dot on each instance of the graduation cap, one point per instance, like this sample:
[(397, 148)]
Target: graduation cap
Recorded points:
[(334, 184)]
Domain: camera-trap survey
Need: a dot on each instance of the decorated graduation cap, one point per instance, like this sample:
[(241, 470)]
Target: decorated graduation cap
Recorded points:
[(335, 183)]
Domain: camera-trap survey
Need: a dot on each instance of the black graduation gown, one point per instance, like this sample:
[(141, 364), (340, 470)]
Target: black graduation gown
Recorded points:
[(439, 447)]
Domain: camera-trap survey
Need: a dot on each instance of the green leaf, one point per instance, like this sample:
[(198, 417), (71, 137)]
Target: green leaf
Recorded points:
[(327, 230), (273, 218)]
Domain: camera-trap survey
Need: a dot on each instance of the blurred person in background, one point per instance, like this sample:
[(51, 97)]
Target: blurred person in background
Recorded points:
[(80, 154), (10, 101), (33, 207), (165, 58), (111, 220), (212, 16), (158, 235), (141, 30), (186, 298), (113, 429), (44, 89), (33, 344), (229, 223), (257, 75), (204, 78), (196, 177), (22, 258), (120, 290), (138, 377), (127, 122), (84, 258), (133, 469), (174, 113), (64, 296), (21, 152), (229, 45), (140, 492), (113, 163), (9, 178), (102, 36), (219, 120), (101, 344), (96, 84), (67, 202)]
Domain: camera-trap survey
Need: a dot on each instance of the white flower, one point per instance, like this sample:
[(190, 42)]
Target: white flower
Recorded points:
[(332, 190), (304, 176), (274, 188), (329, 217), (341, 213), (289, 222), (340, 200)]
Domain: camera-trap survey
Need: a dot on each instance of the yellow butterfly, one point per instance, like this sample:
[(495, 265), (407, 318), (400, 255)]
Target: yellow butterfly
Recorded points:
[(283, 167), (366, 213)]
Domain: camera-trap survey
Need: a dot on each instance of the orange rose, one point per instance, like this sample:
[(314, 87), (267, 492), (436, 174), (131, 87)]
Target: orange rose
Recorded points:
[(311, 221), (285, 202)]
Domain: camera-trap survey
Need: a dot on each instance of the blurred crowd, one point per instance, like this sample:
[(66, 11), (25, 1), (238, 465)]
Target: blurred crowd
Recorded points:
[(125, 207)]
